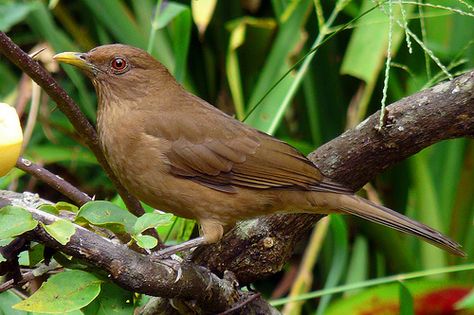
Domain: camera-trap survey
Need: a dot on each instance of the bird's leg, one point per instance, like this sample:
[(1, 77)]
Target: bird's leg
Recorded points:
[(167, 252)]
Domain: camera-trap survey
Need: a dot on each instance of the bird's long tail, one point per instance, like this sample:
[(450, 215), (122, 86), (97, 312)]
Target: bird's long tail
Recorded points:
[(368, 210)]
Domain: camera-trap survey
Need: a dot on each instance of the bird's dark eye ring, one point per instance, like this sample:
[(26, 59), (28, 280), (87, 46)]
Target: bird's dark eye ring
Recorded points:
[(119, 64)]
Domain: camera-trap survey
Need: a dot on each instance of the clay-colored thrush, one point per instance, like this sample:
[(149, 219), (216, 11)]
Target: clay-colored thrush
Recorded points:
[(177, 153)]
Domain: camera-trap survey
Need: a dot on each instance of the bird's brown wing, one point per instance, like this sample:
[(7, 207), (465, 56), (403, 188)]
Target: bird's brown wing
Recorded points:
[(223, 153)]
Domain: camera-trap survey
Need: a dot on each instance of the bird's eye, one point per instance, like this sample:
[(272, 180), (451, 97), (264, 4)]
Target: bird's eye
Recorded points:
[(119, 65)]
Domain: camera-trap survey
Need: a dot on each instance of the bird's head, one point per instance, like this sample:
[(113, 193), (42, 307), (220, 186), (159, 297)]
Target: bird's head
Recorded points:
[(118, 69)]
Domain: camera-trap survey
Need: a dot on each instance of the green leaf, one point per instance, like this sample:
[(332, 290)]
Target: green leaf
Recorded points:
[(427, 208), (171, 11), (12, 13), (64, 292), (359, 263), (338, 229), (406, 300), (107, 214), (238, 33), (145, 241), (270, 111), (15, 221), (49, 209), (62, 205), (4, 242), (48, 154), (178, 17), (151, 220), (61, 230), (112, 300), (367, 50), (35, 254)]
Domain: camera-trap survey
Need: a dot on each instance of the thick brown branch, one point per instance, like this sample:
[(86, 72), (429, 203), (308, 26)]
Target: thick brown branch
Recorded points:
[(260, 247), (65, 103), (132, 270)]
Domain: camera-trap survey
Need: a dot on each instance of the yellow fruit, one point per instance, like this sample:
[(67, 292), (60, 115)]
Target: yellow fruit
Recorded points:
[(11, 138)]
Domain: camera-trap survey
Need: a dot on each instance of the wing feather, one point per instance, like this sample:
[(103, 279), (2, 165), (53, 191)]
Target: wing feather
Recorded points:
[(223, 153)]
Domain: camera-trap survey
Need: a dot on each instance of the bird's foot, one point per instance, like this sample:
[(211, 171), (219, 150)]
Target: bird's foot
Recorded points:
[(169, 251), (174, 265)]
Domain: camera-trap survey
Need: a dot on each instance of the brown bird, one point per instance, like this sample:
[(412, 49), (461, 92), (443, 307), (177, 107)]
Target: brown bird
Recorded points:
[(178, 153)]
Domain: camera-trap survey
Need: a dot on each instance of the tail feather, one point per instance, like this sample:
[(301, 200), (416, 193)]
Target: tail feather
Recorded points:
[(370, 211)]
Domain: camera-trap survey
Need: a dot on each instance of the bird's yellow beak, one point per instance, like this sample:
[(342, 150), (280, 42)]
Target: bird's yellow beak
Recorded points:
[(74, 58)]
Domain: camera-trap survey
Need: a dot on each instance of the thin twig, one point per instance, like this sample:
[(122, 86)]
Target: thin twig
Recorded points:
[(56, 182), (30, 275), (65, 103)]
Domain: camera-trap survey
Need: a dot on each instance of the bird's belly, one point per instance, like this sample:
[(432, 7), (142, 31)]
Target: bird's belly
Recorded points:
[(142, 168), (186, 198)]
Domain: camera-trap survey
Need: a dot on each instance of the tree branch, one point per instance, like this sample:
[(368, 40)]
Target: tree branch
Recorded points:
[(65, 103), (257, 248), (54, 181), (129, 269)]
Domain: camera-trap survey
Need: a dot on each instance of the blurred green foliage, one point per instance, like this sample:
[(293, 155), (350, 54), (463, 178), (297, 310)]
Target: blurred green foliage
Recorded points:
[(232, 62)]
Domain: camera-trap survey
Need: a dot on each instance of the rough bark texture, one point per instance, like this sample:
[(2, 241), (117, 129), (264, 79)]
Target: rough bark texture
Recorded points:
[(129, 269), (443, 112)]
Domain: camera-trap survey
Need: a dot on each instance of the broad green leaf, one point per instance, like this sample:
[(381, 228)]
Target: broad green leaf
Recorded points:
[(105, 213), (112, 300), (151, 220), (49, 209), (145, 241), (62, 205), (367, 50), (63, 292), (202, 13), (365, 55), (61, 230), (406, 300), (269, 113), (15, 221), (35, 254), (12, 13), (24, 258)]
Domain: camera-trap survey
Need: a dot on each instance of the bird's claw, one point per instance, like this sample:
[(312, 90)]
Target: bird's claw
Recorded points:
[(174, 265)]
